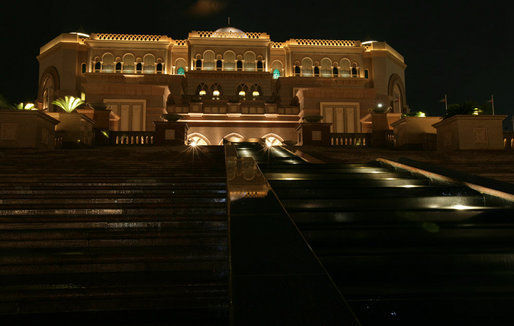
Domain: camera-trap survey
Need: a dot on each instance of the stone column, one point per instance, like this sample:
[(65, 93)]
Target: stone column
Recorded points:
[(313, 133), (170, 133)]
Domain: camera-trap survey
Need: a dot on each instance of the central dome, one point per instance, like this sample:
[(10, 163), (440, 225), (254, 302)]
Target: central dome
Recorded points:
[(232, 30)]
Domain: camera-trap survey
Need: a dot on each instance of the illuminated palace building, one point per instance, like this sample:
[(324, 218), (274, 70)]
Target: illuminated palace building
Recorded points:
[(225, 83)]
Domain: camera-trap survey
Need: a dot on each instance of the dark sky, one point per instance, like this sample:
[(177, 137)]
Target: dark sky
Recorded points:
[(457, 48)]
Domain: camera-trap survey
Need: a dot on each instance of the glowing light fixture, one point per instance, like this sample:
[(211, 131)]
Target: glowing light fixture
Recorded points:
[(379, 105), (68, 103), (255, 93), (25, 106), (242, 93), (461, 207), (202, 92), (216, 93)]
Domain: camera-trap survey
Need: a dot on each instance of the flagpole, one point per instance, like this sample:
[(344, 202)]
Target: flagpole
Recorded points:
[(446, 103), (492, 103)]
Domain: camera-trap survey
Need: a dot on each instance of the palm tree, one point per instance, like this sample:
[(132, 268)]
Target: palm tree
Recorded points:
[(69, 103)]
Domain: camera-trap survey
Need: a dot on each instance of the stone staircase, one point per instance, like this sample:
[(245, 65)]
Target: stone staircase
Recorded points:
[(99, 235)]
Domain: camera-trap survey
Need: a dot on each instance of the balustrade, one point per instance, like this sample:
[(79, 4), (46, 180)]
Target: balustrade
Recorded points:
[(350, 139)]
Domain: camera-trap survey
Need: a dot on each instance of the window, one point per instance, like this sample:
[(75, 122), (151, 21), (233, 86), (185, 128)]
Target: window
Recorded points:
[(354, 72), (83, 68), (326, 67), (307, 66), (139, 67), (297, 70), (335, 72), (249, 61), (239, 65), (128, 63), (198, 64), (98, 66), (149, 64), (276, 74), (219, 65), (260, 65), (118, 67), (181, 71), (366, 74), (316, 71), (159, 68)]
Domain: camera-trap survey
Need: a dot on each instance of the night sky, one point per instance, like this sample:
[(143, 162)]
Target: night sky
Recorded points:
[(452, 47)]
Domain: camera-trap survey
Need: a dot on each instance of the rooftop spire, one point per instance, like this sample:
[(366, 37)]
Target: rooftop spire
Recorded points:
[(228, 20)]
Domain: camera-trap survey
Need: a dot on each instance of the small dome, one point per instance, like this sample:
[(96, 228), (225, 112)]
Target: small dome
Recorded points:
[(232, 30)]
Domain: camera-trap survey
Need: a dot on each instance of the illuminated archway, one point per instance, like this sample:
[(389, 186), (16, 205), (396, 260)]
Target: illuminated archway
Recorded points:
[(272, 140), (233, 137), (197, 139)]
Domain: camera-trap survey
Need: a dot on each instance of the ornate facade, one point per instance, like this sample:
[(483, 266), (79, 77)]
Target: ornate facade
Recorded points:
[(225, 83)]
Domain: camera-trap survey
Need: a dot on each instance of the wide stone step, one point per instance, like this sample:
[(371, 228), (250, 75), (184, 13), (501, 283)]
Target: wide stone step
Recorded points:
[(354, 183), (113, 223), (437, 202), (373, 192), (77, 239), (319, 175), (330, 219), (195, 298), (179, 211), (139, 192), (171, 199)]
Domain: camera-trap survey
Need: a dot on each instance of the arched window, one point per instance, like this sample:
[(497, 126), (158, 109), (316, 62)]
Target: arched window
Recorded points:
[(83, 68), (239, 65), (242, 90), (276, 74), (335, 72), (276, 66), (249, 61), (219, 65), (297, 70), (107, 62), (180, 63), (98, 66), (159, 68), (209, 60), (202, 89), (307, 67), (139, 67), (345, 67), (149, 64), (260, 65), (216, 91), (128, 63), (229, 59), (326, 67), (366, 73), (118, 67), (316, 71), (198, 64)]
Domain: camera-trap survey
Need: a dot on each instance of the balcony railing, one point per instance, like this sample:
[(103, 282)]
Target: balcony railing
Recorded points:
[(508, 140), (131, 138), (350, 139)]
